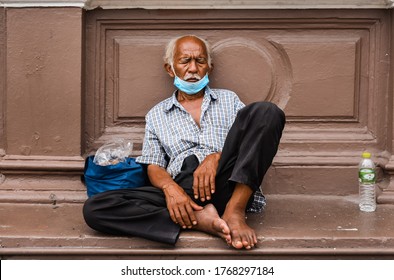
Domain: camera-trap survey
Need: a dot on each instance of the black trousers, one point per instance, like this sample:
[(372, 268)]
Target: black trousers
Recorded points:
[(249, 149)]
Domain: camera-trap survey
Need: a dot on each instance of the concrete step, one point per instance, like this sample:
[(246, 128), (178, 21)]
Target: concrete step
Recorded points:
[(292, 226)]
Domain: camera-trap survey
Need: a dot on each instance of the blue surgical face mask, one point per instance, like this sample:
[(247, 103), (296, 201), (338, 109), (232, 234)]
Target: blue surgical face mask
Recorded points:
[(191, 88)]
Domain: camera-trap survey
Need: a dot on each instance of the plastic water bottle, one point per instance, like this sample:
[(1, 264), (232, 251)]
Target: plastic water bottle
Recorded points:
[(367, 179)]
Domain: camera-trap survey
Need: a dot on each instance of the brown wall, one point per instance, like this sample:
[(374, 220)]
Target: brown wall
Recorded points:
[(43, 81), (327, 69), (41, 67), (63, 94)]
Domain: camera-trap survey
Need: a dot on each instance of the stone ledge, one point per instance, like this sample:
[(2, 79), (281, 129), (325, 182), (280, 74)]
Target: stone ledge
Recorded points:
[(258, 254), (292, 226)]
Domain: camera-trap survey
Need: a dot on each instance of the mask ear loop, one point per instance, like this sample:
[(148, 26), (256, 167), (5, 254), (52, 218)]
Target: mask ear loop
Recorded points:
[(173, 70)]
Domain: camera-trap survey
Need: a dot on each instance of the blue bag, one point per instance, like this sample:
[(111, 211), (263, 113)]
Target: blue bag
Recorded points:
[(127, 174)]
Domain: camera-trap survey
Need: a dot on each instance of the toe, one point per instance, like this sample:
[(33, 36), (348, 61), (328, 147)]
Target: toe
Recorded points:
[(238, 244)]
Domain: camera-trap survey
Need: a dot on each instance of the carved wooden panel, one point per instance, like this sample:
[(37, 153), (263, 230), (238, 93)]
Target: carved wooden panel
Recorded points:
[(321, 67)]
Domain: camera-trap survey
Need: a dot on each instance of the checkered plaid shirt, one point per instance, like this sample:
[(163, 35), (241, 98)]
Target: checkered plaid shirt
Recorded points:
[(171, 134)]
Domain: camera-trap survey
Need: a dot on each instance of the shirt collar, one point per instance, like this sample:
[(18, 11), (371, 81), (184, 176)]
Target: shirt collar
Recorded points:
[(173, 101)]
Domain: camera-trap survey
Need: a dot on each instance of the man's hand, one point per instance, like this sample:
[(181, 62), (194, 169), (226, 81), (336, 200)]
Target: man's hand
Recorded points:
[(204, 177), (180, 206)]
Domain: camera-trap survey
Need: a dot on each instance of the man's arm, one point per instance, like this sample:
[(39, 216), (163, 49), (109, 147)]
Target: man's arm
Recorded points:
[(180, 206), (204, 177)]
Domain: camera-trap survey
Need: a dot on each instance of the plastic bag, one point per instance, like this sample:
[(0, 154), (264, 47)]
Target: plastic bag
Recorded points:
[(127, 174), (113, 152)]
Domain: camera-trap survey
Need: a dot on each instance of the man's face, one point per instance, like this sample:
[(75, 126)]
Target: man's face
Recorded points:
[(190, 60)]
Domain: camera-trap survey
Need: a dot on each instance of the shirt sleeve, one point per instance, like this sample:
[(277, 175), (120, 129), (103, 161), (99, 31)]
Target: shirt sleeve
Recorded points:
[(238, 104), (152, 150), (200, 156)]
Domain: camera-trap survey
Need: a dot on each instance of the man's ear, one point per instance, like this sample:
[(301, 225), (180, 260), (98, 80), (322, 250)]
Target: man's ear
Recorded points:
[(169, 70)]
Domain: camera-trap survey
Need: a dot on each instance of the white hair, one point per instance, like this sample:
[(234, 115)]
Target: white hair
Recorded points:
[(170, 49)]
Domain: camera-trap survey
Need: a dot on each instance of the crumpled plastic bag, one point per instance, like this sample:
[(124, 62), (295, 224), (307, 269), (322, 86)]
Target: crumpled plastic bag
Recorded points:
[(113, 152)]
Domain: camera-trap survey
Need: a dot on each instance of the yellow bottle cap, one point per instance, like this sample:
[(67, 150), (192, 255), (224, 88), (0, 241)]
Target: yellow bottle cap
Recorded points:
[(366, 155)]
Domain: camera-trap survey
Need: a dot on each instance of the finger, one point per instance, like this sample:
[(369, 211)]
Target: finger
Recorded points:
[(212, 183), (172, 215), (185, 218), (195, 206), (207, 188), (201, 188), (195, 187), (191, 215), (179, 219)]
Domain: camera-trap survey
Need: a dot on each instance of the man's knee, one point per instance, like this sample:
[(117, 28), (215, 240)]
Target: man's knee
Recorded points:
[(89, 214), (266, 111)]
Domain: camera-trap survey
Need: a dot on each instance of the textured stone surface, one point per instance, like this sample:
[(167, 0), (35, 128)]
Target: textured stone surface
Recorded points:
[(290, 227)]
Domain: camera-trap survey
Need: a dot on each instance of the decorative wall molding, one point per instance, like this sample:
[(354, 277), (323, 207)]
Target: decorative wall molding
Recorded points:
[(241, 4), (42, 164), (42, 3), (119, 41), (3, 58), (204, 4)]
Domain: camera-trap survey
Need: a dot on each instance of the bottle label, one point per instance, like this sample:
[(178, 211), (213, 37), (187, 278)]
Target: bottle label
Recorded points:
[(366, 176)]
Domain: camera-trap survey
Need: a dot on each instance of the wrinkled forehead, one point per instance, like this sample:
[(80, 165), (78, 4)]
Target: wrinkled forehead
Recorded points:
[(190, 46)]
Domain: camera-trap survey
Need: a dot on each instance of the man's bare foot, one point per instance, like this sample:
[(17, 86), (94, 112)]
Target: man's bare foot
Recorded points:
[(208, 221), (242, 236)]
